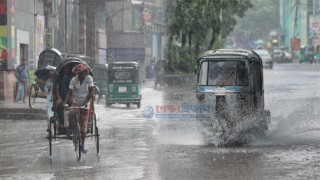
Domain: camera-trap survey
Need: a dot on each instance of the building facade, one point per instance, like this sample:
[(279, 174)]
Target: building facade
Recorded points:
[(131, 30), (22, 33), (300, 23)]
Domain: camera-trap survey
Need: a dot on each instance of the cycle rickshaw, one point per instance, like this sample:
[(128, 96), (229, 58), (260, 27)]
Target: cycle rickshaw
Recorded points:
[(48, 57), (92, 130)]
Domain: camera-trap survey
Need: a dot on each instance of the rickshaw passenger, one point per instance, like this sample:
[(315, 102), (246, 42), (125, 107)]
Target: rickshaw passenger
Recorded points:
[(80, 91), (48, 89), (62, 89)]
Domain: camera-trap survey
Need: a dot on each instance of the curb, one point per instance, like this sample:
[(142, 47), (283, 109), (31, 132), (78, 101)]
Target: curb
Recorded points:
[(23, 114)]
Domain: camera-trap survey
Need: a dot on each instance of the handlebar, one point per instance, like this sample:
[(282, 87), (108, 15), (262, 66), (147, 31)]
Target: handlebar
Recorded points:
[(67, 107)]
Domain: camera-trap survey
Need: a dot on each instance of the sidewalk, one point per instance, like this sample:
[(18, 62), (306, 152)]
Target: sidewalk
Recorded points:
[(20, 110)]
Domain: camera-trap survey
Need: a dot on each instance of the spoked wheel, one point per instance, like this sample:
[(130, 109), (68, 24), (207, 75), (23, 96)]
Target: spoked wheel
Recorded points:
[(33, 94), (90, 126), (98, 99), (76, 138), (96, 133), (55, 127), (50, 140)]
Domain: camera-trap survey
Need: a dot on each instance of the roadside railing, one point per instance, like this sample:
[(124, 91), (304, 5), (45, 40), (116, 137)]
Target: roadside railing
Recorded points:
[(180, 79)]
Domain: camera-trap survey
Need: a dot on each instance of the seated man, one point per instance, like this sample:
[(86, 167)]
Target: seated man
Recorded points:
[(80, 92), (48, 89), (63, 82)]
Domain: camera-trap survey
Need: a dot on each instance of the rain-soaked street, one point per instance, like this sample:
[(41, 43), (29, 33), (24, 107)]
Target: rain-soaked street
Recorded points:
[(134, 146)]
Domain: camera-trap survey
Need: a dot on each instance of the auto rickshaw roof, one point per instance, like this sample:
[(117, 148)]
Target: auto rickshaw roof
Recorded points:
[(249, 55), (71, 61)]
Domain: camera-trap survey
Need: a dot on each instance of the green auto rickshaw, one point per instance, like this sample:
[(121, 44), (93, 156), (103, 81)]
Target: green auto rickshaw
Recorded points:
[(306, 54), (123, 84)]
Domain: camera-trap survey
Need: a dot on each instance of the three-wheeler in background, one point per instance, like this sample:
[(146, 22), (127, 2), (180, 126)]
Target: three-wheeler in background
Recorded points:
[(100, 75), (231, 81), (123, 84)]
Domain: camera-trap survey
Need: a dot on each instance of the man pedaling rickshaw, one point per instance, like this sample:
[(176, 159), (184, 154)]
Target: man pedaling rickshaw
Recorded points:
[(80, 91)]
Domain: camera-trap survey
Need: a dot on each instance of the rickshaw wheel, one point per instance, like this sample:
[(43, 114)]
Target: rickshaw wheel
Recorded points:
[(55, 126), (96, 133), (98, 99), (76, 138), (33, 93), (50, 140)]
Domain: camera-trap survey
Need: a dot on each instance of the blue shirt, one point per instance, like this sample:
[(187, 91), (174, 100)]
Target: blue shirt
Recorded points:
[(64, 81), (23, 72)]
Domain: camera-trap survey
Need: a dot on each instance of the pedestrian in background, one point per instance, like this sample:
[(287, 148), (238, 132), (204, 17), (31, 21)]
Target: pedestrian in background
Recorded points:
[(22, 75)]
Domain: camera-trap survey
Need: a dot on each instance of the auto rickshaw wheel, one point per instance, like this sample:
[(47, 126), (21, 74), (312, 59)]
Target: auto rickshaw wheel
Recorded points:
[(139, 104), (108, 104), (128, 105)]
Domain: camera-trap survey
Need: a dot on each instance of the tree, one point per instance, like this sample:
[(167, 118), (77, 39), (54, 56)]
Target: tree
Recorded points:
[(195, 26), (259, 20)]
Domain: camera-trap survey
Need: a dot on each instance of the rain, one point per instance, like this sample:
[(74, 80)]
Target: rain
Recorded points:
[(171, 89)]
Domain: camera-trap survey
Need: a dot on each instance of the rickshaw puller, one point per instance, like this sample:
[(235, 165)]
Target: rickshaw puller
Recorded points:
[(80, 91)]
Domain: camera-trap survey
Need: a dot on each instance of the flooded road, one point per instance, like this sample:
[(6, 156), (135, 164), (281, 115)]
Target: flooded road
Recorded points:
[(136, 144)]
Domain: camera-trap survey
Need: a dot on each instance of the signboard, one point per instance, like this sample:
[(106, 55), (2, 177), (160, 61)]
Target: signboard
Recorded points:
[(147, 16), (295, 44), (53, 21), (125, 54), (40, 34), (314, 24), (126, 40), (102, 56)]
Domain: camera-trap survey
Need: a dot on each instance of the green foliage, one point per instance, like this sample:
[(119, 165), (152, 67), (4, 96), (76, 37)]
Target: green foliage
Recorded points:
[(195, 26), (31, 74), (259, 20)]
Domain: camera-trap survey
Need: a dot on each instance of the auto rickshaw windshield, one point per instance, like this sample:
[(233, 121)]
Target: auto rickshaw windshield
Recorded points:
[(223, 73)]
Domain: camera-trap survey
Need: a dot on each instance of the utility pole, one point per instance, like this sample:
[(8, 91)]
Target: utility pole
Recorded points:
[(295, 19)]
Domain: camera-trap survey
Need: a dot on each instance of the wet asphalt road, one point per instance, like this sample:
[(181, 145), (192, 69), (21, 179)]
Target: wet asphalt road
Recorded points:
[(135, 147)]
